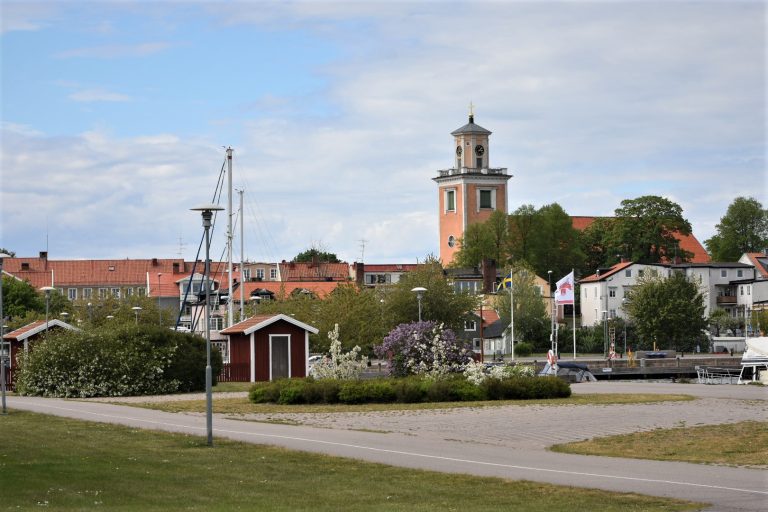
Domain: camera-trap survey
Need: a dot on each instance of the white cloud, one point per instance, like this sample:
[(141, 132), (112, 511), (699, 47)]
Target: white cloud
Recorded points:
[(115, 51)]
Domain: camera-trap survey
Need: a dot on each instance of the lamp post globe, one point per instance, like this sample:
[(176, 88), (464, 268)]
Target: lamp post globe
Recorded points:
[(136, 310), (206, 211), (47, 290), (419, 291)]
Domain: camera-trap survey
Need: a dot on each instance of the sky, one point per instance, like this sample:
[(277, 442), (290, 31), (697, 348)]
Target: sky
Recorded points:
[(116, 116)]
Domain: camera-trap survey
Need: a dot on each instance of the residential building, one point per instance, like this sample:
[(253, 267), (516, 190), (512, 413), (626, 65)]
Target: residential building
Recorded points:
[(471, 190), (603, 293), (720, 282), (373, 275)]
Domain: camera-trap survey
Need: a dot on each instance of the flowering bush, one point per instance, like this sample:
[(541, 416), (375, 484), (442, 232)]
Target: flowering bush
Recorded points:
[(120, 362), (475, 372), (339, 365), (423, 348)]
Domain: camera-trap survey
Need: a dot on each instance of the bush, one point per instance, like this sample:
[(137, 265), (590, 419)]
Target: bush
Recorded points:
[(124, 361), (523, 349), (406, 390)]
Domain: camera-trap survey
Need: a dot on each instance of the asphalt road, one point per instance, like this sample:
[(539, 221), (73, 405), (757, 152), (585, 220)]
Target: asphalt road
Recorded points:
[(421, 440)]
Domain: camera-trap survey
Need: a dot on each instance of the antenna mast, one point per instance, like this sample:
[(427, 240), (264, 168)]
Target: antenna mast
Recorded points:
[(229, 237)]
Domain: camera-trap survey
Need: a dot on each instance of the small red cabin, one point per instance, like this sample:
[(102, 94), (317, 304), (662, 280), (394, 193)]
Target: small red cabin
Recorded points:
[(21, 338), (268, 347)]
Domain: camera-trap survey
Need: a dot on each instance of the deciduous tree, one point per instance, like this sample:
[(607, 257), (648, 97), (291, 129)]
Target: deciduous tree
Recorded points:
[(743, 228)]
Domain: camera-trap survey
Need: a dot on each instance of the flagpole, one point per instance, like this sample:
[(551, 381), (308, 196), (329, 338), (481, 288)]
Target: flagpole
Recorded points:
[(574, 313), (512, 317)]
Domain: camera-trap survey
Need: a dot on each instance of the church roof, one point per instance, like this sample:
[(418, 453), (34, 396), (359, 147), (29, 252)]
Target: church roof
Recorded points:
[(471, 127)]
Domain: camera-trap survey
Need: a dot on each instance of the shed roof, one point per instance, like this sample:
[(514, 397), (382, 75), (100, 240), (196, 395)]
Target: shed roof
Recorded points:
[(258, 322), (29, 330)]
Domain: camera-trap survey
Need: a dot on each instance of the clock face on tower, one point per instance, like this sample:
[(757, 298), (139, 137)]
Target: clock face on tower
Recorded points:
[(458, 150), (479, 150)]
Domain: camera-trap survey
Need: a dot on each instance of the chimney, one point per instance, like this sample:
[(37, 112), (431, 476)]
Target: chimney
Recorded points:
[(359, 273), (176, 267), (315, 261), (488, 267), (43, 255), (154, 262)]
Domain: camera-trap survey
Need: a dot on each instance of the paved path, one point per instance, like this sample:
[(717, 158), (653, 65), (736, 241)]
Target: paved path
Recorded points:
[(506, 442)]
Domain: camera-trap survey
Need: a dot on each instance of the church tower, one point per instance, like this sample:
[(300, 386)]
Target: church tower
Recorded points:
[(470, 191)]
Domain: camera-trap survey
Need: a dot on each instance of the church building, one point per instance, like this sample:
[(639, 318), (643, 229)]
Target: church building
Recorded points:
[(470, 191)]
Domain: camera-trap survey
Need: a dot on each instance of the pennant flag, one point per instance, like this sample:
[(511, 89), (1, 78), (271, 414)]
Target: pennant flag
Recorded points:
[(506, 282), (564, 294)]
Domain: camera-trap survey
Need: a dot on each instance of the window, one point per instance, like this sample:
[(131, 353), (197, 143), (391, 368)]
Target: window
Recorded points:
[(470, 325), (486, 199), (259, 273), (749, 289), (116, 293), (450, 200), (628, 273), (611, 292), (217, 323), (87, 292), (741, 290), (72, 293), (654, 273), (222, 347), (723, 273), (102, 293), (273, 273), (640, 273), (246, 274), (451, 241), (141, 291), (129, 292), (739, 273), (612, 313)]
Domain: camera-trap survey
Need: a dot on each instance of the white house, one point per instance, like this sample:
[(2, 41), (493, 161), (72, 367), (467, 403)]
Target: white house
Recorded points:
[(603, 293), (721, 282)]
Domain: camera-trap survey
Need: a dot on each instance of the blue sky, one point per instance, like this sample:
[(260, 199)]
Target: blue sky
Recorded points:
[(115, 115)]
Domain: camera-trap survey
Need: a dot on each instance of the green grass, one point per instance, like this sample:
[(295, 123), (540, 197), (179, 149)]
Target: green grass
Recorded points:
[(244, 406), (735, 444), (67, 465), (222, 387)]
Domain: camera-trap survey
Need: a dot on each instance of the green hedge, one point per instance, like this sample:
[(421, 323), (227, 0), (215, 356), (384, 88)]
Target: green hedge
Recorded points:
[(124, 361), (405, 390)]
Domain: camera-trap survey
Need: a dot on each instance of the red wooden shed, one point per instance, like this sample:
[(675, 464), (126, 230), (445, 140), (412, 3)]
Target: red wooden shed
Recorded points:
[(268, 347), (20, 338)]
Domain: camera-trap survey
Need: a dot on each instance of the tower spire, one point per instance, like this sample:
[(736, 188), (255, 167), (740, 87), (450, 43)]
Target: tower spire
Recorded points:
[(471, 112)]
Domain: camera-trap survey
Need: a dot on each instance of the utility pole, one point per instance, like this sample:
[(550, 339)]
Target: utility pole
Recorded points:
[(229, 237)]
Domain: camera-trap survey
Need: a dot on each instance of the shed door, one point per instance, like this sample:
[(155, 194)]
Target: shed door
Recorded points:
[(279, 351)]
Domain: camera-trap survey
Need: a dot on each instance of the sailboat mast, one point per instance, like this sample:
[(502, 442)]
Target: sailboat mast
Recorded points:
[(229, 236), (242, 258)]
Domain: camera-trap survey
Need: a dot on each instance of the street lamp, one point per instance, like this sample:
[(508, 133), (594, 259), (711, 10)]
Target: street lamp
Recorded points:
[(419, 291), (159, 310), (64, 315), (4, 358), (623, 307), (47, 290), (136, 310), (90, 312), (207, 214)]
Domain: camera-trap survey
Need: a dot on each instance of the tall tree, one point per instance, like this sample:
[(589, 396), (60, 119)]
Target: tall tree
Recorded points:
[(593, 244), (669, 312), (439, 303), (644, 230), (744, 228), (556, 244), (523, 224), (483, 240), (531, 320)]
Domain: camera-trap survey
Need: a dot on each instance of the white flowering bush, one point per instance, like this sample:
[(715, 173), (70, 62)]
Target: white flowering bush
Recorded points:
[(475, 372), (340, 365), (124, 361)]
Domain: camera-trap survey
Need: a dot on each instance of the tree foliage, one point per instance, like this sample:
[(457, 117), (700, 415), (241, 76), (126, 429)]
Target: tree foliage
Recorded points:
[(484, 240), (440, 302), (644, 231), (743, 228), (668, 311), (316, 253), (531, 318)]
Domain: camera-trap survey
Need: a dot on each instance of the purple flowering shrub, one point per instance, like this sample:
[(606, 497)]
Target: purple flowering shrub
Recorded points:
[(423, 348)]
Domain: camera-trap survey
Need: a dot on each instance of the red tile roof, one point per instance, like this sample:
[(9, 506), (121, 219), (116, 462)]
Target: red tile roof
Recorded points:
[(290, 271), (614, 269), (489, 315), (687, 242), (391, 267), (756, 259), (319, 288)]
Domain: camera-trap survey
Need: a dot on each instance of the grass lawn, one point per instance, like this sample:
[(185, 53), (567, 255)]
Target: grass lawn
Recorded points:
[(64, 464), (735, 444), (244, 406)]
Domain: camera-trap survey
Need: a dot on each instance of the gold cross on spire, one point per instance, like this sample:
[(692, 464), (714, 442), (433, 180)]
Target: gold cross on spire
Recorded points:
[(471, 109)]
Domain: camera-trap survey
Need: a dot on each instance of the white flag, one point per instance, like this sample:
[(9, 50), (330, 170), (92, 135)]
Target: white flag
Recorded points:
[(564, 294)]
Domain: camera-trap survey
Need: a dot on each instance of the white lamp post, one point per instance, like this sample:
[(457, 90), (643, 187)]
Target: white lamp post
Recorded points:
[(136, 310), (4, 358), (47, 290), (207, 214), (419, 291)]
